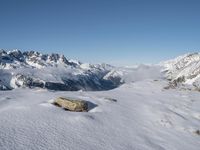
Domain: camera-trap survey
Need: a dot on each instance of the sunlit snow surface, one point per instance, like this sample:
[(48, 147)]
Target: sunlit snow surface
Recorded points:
[(145, 117)]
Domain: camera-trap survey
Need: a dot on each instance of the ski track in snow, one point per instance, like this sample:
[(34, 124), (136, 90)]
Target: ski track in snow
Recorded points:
[(145, 117)]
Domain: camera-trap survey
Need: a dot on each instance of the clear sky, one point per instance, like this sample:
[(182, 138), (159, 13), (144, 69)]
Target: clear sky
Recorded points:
[(121, 32)]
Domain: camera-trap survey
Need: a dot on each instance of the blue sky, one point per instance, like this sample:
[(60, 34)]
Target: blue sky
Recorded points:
[(122, 32)]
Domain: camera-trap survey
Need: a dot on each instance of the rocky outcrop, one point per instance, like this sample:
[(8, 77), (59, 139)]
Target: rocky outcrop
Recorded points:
[(71, 104)]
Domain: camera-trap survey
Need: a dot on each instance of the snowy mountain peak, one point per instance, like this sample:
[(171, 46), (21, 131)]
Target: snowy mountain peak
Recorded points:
[(51, 71), (34, 59), (184, 69)]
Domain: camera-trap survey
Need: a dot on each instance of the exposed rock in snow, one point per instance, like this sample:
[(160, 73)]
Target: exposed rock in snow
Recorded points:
[(71, 104)]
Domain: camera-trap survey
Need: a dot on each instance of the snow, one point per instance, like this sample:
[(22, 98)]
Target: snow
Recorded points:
[(49, 68), (36, 65), (145, 117), (137, 73), (85, 66), (186, 67), (74, 61)]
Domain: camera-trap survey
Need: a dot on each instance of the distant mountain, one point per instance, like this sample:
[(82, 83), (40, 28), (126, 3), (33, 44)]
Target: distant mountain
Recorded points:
[(31, 69), (55, 72), (184, 70)]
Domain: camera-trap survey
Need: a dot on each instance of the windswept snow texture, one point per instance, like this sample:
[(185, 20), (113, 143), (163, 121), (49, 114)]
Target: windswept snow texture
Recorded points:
[(32, 69), (144, 117)]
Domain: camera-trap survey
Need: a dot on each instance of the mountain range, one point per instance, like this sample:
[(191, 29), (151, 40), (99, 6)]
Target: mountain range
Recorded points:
[(54, 72), (31, 69)]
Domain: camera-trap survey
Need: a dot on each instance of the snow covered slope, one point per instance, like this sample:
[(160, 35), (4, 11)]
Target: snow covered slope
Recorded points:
[(184, 69), (33, 69), (138, 115), (145, 117)]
